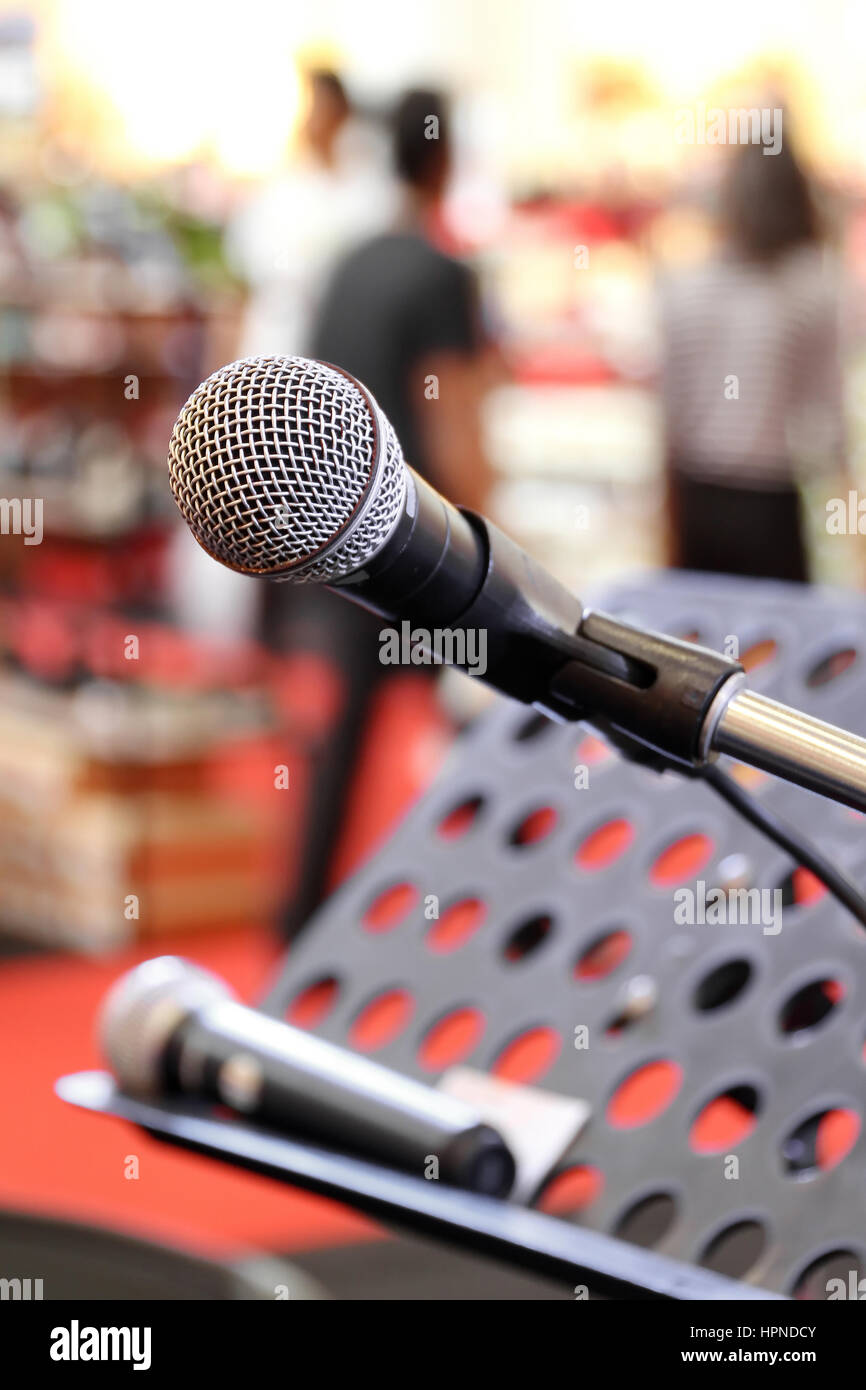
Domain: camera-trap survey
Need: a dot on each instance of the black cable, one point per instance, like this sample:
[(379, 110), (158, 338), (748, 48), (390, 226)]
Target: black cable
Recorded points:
[(843, 888)]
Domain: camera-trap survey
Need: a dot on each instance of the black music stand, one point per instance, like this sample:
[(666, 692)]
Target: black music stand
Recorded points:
[(522, 918), (556, 913)]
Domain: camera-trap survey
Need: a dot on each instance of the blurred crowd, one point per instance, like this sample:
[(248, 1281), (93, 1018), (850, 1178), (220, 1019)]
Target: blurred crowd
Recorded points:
[(351, 258), (619, 375)]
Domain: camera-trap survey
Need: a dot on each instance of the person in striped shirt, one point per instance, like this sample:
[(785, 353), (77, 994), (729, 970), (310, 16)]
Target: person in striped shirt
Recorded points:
[(751, 375)]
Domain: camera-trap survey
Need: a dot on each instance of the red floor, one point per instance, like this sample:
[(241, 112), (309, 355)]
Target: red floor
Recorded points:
[(57, 1160)]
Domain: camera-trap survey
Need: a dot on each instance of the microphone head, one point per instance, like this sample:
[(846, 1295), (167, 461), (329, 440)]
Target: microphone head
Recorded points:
[(142, 1011), (286, 467)]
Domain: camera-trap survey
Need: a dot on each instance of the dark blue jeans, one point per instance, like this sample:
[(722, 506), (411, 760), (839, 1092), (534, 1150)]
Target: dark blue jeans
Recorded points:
[(729, 529)]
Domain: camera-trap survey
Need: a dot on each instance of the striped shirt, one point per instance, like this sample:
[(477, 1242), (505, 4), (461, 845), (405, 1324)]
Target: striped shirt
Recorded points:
[(751, 372)]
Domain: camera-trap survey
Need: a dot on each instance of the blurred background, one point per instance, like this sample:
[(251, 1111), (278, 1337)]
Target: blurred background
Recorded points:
[(588, 311)]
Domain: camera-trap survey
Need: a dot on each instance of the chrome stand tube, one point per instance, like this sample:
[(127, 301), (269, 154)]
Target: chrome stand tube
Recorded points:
[(792, 745)]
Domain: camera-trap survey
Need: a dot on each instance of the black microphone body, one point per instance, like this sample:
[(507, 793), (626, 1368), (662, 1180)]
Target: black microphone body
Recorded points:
[(169, 1027), (445, 567)]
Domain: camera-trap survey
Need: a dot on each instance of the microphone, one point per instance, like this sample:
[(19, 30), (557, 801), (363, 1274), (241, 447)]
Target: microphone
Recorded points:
[(288, 468), (169, 1027)]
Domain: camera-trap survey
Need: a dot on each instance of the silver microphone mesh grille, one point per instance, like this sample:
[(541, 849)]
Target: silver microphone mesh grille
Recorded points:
[(285, 466), (142, 1011)]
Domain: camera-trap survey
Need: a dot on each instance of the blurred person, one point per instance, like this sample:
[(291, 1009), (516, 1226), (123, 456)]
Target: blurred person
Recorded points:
[(752, 381), (286, 238), (402, 315), (399, 314), (283, 242)]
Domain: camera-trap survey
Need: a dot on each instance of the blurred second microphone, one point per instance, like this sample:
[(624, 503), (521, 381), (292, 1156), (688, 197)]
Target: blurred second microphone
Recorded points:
[(168, 1026)]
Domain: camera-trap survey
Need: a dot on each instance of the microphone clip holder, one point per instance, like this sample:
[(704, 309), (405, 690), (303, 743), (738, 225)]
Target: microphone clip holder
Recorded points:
[(649, 693)]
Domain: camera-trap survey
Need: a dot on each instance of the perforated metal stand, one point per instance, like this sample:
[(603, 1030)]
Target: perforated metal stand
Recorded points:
[(724, 1063)]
